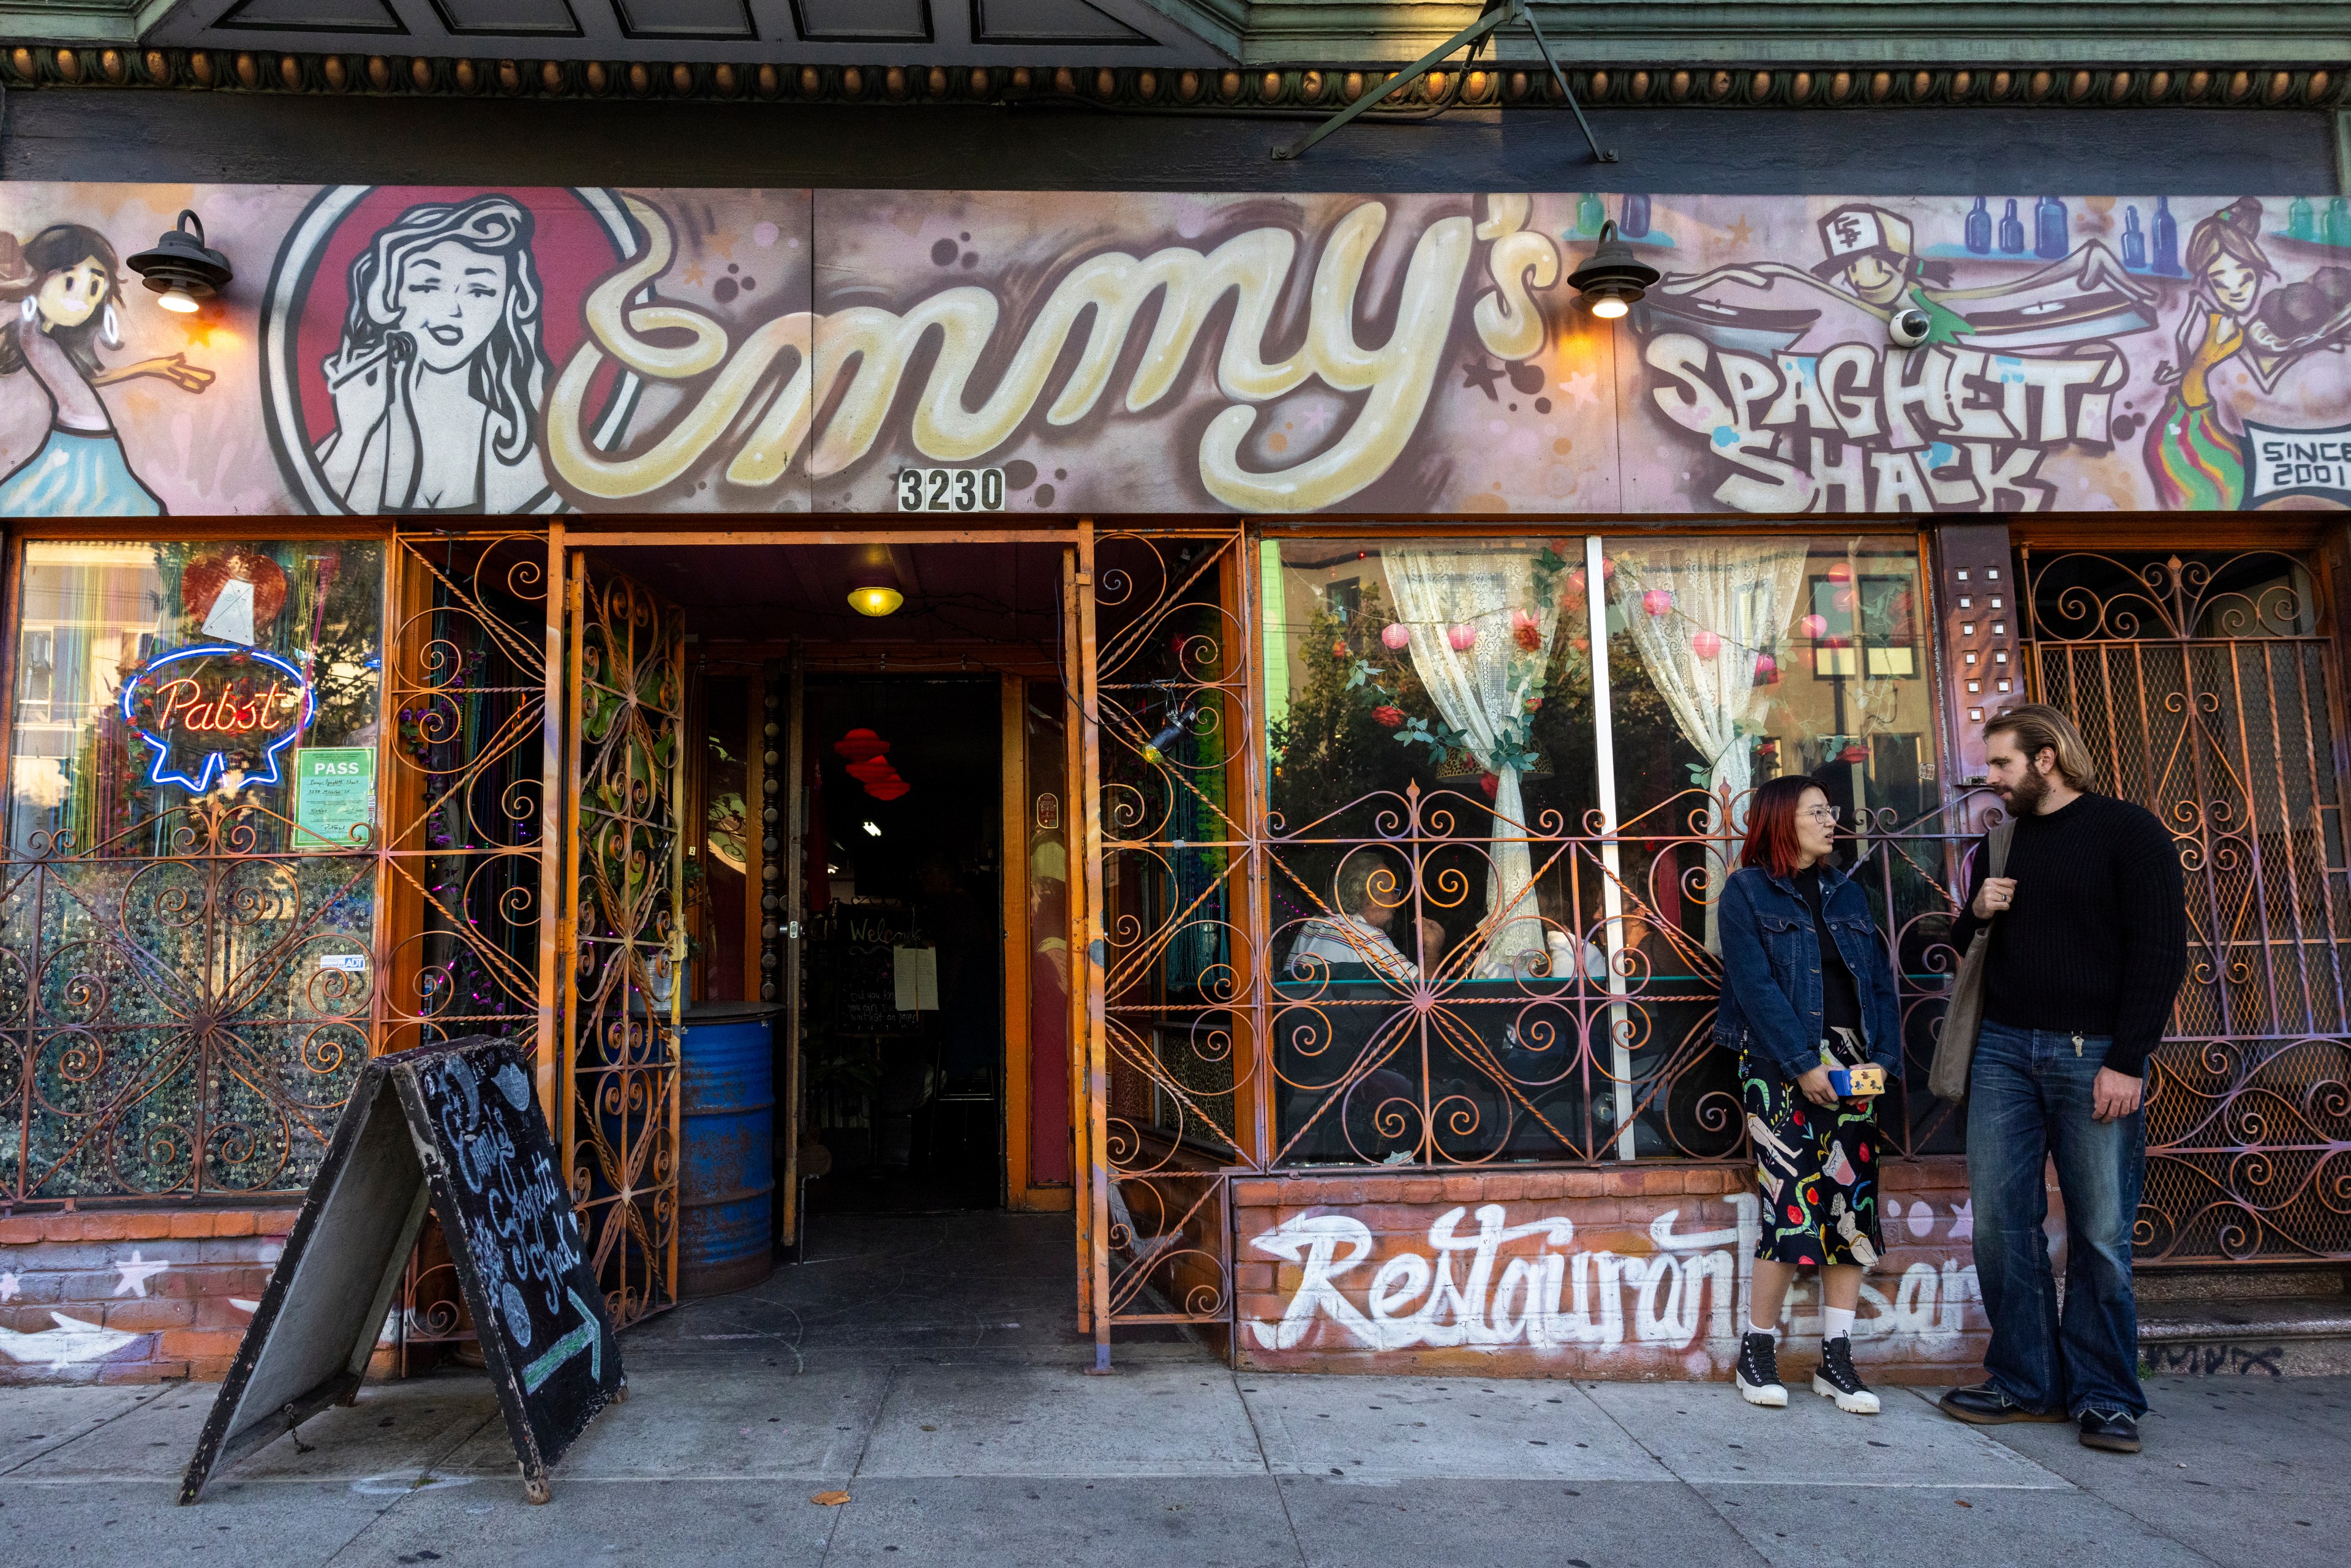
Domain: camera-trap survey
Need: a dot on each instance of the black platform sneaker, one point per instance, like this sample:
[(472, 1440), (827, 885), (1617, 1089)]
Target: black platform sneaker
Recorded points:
[(2117, 1431), (1835, 1379), (1759, 1372)]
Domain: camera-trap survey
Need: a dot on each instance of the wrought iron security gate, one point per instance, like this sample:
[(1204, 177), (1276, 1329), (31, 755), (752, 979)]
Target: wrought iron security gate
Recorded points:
[(623, 932), (2209, 695)]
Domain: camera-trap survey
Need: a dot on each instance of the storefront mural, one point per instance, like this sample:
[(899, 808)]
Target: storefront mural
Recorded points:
[(436, 350)]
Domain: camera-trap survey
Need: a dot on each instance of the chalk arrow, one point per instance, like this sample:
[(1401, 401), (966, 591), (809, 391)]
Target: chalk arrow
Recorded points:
[(584, 1337), (72, 1340)]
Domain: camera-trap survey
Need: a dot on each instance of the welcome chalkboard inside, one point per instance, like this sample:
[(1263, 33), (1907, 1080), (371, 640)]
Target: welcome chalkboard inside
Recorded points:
[(459, 1127), (855, 955)]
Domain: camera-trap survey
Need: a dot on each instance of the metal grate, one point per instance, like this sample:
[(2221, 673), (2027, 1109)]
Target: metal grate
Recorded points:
[(2208, 696)]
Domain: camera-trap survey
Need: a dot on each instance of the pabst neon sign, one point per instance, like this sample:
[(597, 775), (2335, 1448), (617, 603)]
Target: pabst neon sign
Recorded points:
[(204, 711)]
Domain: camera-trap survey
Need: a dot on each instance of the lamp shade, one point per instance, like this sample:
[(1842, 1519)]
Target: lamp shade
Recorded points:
[(1614, 279), (181, 267), (859, 744)]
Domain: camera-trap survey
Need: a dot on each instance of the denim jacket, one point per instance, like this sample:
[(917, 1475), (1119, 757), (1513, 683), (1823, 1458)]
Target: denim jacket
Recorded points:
[(1772, 990)]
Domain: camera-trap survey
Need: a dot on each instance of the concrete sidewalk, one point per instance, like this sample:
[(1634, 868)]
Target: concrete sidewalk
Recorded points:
[(1015, 1456)]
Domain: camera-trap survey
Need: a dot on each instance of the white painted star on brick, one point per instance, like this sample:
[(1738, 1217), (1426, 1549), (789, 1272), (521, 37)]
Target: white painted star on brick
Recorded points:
[(136, 1271), (10, 1287)]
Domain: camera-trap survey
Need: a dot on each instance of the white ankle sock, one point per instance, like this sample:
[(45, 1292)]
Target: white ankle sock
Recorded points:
[(1836, 1322), (1754, 1327)]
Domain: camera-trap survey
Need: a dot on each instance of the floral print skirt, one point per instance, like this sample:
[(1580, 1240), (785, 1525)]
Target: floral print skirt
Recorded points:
[(1816, 1169)]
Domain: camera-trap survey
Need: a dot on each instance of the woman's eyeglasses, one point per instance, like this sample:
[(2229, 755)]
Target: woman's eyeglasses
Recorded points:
[(1829, 814)]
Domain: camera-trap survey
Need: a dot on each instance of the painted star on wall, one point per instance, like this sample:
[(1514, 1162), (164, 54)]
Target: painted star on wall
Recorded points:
[(1741, 231), (1480, 374), (1583, 386), (136, 1271), (10, 1287)]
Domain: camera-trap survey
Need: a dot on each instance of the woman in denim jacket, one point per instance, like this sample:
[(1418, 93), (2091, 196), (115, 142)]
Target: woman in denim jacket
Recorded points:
[(1806, 983)]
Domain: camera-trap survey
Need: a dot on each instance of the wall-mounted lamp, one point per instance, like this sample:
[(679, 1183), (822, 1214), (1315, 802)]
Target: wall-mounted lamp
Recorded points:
[(182, 268), (1613, 281), (873, 590)]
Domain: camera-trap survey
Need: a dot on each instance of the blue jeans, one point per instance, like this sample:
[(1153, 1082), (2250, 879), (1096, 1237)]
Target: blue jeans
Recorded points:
[(2028, 1098)]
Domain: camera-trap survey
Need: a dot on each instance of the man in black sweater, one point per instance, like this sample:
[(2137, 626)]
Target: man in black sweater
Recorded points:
[(2089, 943)]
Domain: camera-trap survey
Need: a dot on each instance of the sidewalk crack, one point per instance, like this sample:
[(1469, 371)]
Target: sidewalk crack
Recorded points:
[(857, 1466), (1281, 1496)]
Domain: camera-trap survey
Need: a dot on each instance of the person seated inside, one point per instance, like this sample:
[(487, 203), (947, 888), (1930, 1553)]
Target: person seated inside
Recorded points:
[(1357, 935)]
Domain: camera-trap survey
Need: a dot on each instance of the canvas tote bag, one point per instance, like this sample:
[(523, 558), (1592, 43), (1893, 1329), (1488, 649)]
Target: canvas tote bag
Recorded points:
[(1955, 1048)]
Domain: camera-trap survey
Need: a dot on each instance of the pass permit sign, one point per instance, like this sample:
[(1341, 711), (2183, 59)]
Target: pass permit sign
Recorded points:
[(334, 796)]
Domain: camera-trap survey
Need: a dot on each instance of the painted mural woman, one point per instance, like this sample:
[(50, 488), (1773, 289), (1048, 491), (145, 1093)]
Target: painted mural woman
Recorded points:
[(60, 299), (1806, 987), (2195, 460), (438, 381)]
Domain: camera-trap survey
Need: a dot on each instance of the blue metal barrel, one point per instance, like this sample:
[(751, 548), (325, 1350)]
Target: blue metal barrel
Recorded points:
[(726, 1178)]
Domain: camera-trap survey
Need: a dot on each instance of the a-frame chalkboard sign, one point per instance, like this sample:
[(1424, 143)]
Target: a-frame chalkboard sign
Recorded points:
[(456, 1126)]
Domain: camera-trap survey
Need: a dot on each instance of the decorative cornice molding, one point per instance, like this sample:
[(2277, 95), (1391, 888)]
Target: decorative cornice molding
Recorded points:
[(1291, 91)]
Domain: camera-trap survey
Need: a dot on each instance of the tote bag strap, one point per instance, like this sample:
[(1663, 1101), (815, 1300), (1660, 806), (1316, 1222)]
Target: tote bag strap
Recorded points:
[(1999, 837)]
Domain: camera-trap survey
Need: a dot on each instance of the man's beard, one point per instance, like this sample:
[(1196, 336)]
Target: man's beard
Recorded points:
[(2025, 799)]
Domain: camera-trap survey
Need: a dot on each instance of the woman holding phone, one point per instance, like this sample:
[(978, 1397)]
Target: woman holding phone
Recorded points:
[(1807, 990)]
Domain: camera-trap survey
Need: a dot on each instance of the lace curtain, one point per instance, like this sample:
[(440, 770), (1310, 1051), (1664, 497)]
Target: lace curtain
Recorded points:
[(1702, 615), (1488, 598)]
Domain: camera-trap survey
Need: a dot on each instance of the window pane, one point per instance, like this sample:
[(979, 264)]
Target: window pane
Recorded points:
[(198, 985), (1732, 661), (1429, 726), (96, 615)]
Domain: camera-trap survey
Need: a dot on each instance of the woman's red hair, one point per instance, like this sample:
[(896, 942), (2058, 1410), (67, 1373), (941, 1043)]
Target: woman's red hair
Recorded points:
[(1771, 824)]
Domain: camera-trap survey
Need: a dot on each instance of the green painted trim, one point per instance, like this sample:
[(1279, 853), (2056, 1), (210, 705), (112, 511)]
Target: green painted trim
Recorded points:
[(115, 22), (1270, 602)]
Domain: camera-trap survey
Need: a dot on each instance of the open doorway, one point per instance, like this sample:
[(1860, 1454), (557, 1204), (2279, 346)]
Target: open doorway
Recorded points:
[(903, 1027), (875, 860)]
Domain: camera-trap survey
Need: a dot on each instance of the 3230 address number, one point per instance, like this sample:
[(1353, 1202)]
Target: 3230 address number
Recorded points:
[(951, 489)]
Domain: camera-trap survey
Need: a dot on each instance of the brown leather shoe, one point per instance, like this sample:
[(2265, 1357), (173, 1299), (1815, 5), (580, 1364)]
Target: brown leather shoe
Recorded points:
[(1985, 1406)]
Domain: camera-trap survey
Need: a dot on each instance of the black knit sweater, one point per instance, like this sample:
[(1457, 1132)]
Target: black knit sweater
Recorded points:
[(2096, 942)]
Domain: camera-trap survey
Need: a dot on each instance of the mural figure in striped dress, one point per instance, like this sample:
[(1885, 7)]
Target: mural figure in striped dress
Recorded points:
[(2196, 461), (60, 296)]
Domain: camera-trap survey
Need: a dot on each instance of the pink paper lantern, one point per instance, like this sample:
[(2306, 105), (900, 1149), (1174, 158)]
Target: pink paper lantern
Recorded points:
[(1575, 579), (1656, 602), (1814, 626), (1396, 634), (1705, 644), (1841, 571), (1607, 569), (1463, 637)]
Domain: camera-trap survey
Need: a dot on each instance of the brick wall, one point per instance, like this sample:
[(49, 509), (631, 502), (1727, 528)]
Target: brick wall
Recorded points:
[(112, 1296), (1632, 1273)]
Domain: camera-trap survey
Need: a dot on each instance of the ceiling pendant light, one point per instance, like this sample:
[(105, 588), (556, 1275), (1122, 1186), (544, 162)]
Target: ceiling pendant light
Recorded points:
[(859, 745), (1614, 279), (873, 590)]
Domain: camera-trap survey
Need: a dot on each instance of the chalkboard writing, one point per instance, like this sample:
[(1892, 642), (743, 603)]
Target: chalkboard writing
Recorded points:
[(459, 1125), (866, 973), (853, 957)]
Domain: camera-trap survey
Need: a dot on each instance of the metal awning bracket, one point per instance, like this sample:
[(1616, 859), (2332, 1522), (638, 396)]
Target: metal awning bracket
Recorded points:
[(1502, 14)]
